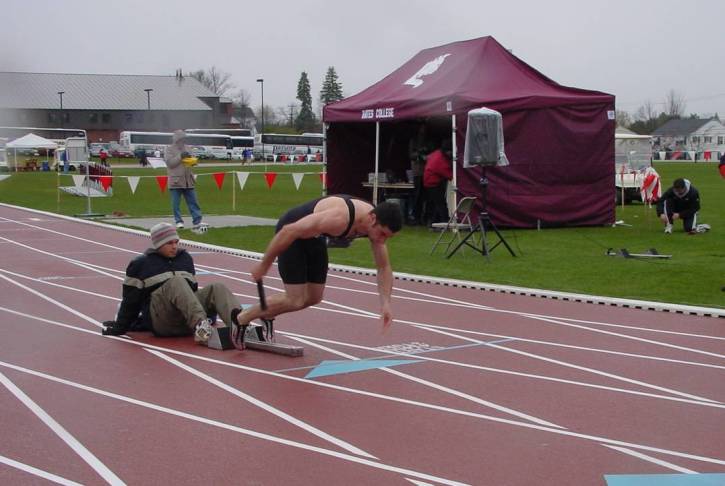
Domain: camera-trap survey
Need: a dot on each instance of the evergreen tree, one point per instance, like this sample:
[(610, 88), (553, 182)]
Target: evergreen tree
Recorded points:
[(331, 87), (305, 121)]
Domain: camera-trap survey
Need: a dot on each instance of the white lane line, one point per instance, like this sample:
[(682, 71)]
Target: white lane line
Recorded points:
[(38, 472), (69, 260), (651, 459), (627, 336), (52, 301), (234, 428), (499, 420), (574, 366), (465, 331), (444, 389), (63, 434), (356, 346), (61, 286), (507, 372), (571, 346), (438, 299), (265, 406)]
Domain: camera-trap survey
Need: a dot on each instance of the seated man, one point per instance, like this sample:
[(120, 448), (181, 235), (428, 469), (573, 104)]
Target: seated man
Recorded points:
[(160, 293), (300, 243), (681, 201)]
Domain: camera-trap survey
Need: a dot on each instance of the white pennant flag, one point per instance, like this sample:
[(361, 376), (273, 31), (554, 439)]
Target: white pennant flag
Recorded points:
[(297, 177), (663, 155), (133, 182), (78, 180), (692, 154), (242, 178)]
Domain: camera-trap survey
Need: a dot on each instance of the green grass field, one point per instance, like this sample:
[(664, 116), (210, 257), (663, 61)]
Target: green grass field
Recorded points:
[(565, 259)]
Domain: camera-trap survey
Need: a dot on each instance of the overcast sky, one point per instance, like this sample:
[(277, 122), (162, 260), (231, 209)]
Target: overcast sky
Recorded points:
[(635, 50)]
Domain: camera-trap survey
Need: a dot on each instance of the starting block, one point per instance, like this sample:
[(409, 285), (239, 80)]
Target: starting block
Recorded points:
[(257, 336), (651, 253)]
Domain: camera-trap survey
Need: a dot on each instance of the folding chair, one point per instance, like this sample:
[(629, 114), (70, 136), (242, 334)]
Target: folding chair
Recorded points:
[(464, 208)]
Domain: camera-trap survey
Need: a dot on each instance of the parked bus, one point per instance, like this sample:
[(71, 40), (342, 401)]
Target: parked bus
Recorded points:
[(285, 147), (216, 145), (232, 132), (57, 135), (241, 145)]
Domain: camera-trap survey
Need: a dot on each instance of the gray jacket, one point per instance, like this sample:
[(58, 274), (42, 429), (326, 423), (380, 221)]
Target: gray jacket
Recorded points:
[(180, 176)]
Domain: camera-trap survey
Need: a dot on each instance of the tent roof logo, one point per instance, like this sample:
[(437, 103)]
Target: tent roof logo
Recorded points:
[(428, 68)]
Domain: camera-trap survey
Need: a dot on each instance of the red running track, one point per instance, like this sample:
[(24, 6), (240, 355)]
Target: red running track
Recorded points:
[(498, 389)]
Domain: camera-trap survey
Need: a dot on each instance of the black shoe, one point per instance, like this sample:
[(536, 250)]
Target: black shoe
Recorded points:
[(237, 333)]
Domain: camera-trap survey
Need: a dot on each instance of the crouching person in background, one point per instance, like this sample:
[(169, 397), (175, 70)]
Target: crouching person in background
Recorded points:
[(681, 202), (161, 295)]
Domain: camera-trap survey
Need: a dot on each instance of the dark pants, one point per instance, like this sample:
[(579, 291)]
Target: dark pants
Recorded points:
[(688, 224), (436, 200)]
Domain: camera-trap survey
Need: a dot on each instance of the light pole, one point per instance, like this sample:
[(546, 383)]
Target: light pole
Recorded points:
[(148, 97), (60, 93), (264, 155)]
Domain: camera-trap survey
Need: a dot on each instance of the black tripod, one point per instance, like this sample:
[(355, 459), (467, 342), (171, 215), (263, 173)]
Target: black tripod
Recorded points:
[(484, 222)]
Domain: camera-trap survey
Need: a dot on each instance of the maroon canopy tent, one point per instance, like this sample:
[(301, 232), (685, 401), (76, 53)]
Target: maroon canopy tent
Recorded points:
[(559, 140)]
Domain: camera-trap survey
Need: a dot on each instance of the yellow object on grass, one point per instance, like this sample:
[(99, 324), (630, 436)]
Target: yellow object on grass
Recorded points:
[(189, 161)]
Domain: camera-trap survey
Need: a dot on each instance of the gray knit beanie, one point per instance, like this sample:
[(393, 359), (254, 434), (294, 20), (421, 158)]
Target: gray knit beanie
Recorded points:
[(162, 233)]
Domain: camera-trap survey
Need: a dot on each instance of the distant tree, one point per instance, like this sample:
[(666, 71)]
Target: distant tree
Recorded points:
[(675, 104), (216, 80), (623, 118), (242, 109), (305, 120), (331, 87), (270, 118)]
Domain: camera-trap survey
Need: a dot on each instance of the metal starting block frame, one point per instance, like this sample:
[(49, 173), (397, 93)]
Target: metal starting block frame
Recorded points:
[(651, 253), (259, 337)]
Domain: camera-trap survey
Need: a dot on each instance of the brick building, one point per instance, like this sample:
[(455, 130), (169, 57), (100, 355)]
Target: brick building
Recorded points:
[(106, 104)]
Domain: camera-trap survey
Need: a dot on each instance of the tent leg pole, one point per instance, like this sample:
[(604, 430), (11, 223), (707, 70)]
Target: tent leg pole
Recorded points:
[(377, 163)]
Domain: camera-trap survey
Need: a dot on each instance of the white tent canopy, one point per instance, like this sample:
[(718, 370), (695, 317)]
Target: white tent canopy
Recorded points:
[(31, 140)]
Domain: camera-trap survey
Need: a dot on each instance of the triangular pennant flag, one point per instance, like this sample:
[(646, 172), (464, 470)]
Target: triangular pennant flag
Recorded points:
[(242, 177), (78, 180), (219, 178), (662, 155), (270, 177), (133, 182), (297, 177), (692, 154), (162, 181), (323, 179), (106, 182)]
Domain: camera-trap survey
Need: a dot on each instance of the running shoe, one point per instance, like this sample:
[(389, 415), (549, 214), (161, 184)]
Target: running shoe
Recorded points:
[(202, 332), (200, 228), (668, 229), (180, 225)]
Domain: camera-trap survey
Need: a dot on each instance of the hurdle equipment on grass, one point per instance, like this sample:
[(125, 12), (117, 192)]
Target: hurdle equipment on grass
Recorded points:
[(651, 253)]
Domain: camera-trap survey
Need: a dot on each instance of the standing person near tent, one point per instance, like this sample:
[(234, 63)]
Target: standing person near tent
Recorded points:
[(681, 201), (300, 243), (438, 171), (181, 182)]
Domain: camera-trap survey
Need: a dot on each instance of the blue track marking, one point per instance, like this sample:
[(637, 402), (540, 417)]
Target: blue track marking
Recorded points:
[(434, 350), (336, 367), (665, 479)]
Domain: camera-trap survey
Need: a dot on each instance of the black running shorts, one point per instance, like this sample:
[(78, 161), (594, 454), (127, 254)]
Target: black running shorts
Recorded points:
[(305, 261)]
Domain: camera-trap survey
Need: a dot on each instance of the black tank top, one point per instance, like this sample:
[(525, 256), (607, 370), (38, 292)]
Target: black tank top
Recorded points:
[(308, 208)]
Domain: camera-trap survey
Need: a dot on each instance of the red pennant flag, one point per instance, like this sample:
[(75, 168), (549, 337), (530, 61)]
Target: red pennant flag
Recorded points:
[(270, 177), (323, 179), (219, 178), (106, 182), (162, 181)]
